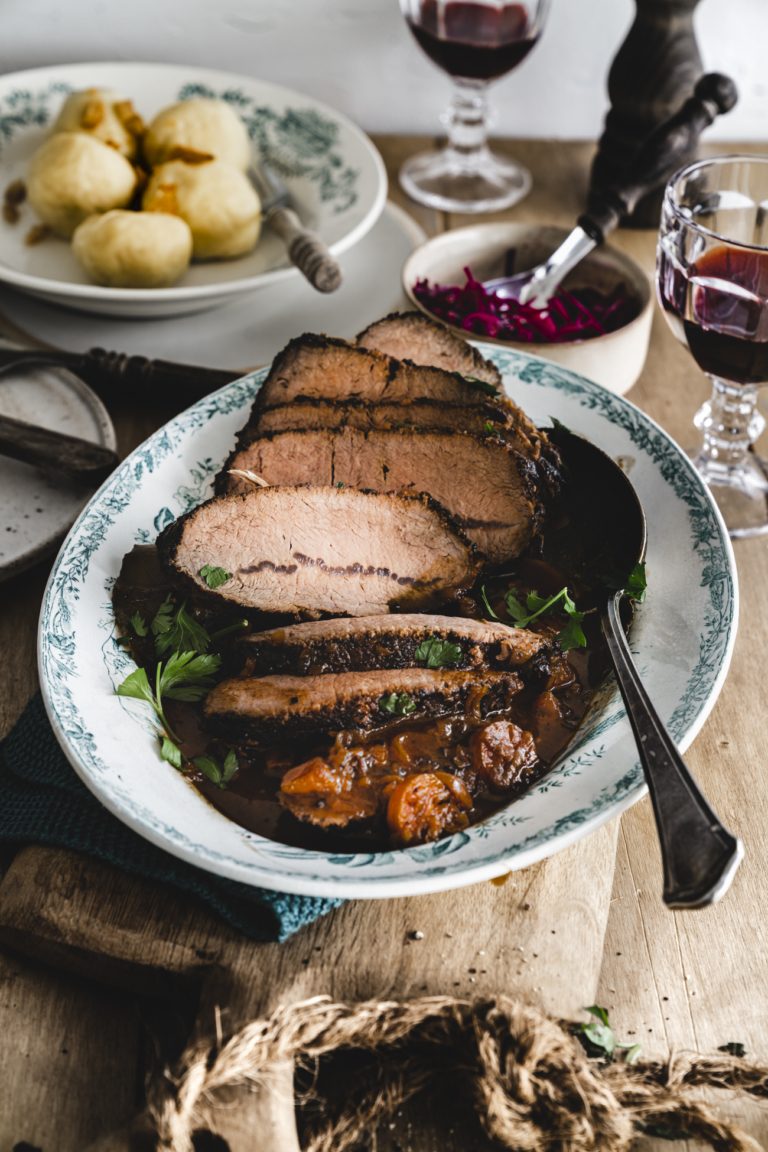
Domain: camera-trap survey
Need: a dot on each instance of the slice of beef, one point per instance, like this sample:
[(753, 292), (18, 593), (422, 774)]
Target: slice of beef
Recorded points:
[(371, 642), (319, 551), (319, 367), (490, 489), (420, 413), (413, 336), (268, 707)]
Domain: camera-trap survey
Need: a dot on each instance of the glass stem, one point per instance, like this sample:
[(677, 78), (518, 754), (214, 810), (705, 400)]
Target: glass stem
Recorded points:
[(729, 422), (467, 122)]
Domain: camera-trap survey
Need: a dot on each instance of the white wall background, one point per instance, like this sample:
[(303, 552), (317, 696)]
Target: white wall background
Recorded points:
[(358, 55)]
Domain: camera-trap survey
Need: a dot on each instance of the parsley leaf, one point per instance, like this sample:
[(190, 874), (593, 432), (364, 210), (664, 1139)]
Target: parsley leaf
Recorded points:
[(489, 426), (487, 603), (636, 583), (214, 577), (219, 774), (397, 704), (599, 1032), (186, 675), (209, 768), (229, 768), (733, 1048), (170, 751), (571, 636), (435, 653), (136, 685), (599, 1039), (178, 631), (138, 624), (483, 385)]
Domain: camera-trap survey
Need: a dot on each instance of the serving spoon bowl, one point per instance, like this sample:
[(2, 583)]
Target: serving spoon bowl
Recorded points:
[(699, 855)]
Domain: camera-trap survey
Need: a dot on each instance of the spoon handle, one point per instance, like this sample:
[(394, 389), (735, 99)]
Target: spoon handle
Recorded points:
[(660, 154), (699, 855)]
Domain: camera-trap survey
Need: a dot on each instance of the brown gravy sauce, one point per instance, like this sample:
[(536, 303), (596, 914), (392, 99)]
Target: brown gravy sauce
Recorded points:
[(550, 708)]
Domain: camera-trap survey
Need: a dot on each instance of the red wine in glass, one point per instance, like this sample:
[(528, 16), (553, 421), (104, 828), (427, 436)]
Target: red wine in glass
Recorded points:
[(473, 40), (717, 307)]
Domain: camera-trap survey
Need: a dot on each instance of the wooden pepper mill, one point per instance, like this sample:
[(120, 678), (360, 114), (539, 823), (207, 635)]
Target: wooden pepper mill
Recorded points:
[(655, 69)]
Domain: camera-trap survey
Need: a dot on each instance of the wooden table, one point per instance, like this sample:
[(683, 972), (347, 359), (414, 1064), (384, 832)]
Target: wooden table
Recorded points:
[(72, 1052)]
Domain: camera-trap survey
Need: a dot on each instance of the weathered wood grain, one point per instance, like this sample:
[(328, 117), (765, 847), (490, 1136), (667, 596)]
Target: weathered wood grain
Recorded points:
[(696, 979)]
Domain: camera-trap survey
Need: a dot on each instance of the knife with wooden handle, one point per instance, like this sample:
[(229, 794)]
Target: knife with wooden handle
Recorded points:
[(43, 447), (305, 248)]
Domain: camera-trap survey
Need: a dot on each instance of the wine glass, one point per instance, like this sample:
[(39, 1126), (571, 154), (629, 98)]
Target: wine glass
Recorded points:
[(474, 41), (712, 282)]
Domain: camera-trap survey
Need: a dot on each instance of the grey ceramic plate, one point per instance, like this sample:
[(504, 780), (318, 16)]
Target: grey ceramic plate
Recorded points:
[(37, 508)]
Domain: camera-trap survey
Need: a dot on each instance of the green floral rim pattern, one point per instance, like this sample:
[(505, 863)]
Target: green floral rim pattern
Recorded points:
[(58, 644)]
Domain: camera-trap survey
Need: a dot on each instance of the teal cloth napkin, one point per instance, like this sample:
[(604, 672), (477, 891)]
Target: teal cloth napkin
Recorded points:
[(42, 801)]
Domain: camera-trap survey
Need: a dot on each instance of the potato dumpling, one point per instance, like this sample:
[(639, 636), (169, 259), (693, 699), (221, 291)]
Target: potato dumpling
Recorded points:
[(201, 125), (72, 175), (105, 114), (133, 249), (217, 201)]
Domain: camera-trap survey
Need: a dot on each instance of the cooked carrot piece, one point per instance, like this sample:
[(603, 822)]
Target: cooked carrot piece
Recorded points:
[(427, 805)]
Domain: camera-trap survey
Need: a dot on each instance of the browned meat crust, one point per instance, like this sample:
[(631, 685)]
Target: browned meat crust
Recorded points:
[(267, 707), (419, 413), (368, 642), (413, 336), (320, 367)]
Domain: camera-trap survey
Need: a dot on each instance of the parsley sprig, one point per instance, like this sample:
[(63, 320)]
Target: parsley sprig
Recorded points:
[(214, 576), (636, 585), (436, 653), (397, 704), (219, 774), (599, 1039), (183, 676), (176, 630), (571, 636)]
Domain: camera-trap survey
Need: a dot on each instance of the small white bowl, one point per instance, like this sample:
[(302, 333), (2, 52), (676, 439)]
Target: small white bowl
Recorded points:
[(614, 360)]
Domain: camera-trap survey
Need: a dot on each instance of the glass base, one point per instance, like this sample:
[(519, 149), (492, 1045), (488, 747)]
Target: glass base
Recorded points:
[(448, 180), (740, 491)]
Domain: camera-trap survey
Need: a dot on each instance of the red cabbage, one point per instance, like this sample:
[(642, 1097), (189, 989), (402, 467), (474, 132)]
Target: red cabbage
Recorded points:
[(576, 315)]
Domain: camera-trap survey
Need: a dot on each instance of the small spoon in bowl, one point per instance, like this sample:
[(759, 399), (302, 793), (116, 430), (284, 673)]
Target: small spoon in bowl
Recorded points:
[(654, 163), (699, 855)]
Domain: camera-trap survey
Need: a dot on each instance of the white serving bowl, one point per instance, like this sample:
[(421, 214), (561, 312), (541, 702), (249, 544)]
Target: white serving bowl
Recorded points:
[(614, 360)]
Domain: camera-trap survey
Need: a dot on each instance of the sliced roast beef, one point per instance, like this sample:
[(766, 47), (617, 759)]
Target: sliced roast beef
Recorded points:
[(489, 489), (319, 367), (319, 551), (401, 641), (267, 707), (366, 416), (413, 336)]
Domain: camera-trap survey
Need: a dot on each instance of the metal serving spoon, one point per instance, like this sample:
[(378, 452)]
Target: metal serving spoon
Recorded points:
[(699, 855), (654, 163)]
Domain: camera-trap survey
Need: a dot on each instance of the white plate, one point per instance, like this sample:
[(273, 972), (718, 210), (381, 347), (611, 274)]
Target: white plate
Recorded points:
[(37, 508), (682, 639), (246, 332), (335, 174)]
